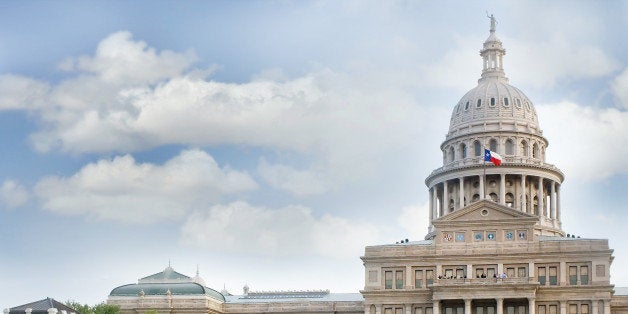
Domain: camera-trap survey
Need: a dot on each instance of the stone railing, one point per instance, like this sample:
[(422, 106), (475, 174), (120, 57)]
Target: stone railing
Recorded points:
[(484, 281), (508, 160)]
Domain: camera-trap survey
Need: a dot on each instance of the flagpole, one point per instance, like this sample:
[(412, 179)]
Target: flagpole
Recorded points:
[(484, 168)]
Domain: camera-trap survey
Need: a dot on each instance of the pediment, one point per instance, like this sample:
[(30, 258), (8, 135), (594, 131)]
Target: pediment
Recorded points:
[(485, 210)]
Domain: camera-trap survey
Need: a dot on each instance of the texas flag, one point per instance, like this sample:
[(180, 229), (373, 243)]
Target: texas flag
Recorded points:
[(493, 157)]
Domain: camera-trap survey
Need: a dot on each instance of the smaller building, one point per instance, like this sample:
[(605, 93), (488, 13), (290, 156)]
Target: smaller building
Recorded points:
[(45, 306), (173, 292)]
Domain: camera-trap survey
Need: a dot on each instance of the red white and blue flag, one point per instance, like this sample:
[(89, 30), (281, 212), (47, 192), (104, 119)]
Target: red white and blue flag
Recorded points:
[(493, 157)]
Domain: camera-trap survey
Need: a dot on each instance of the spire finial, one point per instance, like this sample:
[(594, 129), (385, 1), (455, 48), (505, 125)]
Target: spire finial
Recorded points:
[(493, 21)]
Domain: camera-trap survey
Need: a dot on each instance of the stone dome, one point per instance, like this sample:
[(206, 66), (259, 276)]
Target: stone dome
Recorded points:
[(494, 101)]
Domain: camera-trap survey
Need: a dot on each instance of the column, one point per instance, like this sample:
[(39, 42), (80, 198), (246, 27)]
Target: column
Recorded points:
[(445, 199), (500, 306), (378, 309), (563, 307), (439, 271), (531, 306), (531, 269), (594, 306), (408, 308), (524, 202), (436, 307), (563, 274), (557, 201), (502, 189), (470, 271), (540, 197), (461, 193), (482, 196), (500, 268), (607, 306), (431, 205), (409, 282), (435, 203), (467, 306), (552, 199)]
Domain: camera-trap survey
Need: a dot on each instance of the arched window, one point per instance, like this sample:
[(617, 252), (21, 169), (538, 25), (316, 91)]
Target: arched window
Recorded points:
[(523, 149), (510, 147), (506, 104), (452, 156), (494, 197), (510, 200), (466, 106), (477, 147), (476, 197), (479, 104), (493, 102), (493, 145), (535, 150), (463, 150)]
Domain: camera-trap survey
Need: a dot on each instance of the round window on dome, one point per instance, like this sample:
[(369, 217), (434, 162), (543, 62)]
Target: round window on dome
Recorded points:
[(506, 104), (479, 104), (492, 101), (518, 102)]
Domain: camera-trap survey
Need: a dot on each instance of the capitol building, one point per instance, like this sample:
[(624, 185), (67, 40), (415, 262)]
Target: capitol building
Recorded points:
[(495, 243)]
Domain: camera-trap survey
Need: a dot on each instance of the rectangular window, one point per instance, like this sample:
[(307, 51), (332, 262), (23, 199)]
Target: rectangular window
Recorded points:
[(510, 310), (553, 309), (522, 272), (510, 272), (399, 279), (388, 311), (479, 310), (553, 276), (490, 272), (429, 277), (573, 275), (398, 311), (541, 275), (418, 278), (573, 308), (584, 275), (584, 309), (449, 273), (388, 279), (490, 310), (428, 310), (459, 273), (418, 310), (541, 309), (521, 309)]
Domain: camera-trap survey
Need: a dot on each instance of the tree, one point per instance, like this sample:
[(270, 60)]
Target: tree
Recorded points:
[(102, 308)]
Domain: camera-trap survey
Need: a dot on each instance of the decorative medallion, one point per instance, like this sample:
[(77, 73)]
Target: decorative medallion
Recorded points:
[(522, 235), (447, 237), (490, 235), (509, 235), (478, 236), (460, 237)]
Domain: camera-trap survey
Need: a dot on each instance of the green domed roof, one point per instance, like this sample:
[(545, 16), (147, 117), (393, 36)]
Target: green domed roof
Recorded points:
[(186, 288)]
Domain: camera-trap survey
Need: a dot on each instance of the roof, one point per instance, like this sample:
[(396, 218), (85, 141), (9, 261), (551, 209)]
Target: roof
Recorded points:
[(174, 288), (41, 306), (292, 296), (168, 275)]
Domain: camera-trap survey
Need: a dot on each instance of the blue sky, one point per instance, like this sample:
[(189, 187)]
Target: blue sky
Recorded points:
[(268, 142)]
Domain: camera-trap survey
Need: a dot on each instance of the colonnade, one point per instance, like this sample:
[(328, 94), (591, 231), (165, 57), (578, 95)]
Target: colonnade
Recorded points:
[(531, 194)]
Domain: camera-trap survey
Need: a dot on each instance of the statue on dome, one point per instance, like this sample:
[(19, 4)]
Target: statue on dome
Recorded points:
[(493, 21)]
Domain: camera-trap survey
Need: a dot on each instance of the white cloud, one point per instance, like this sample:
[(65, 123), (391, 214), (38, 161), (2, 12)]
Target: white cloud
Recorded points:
[(13, 194), (123, 190), (17, 92), (298, 182), (120, 60), (543, 63), (291, 230), (620, 88), (587, 143)]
